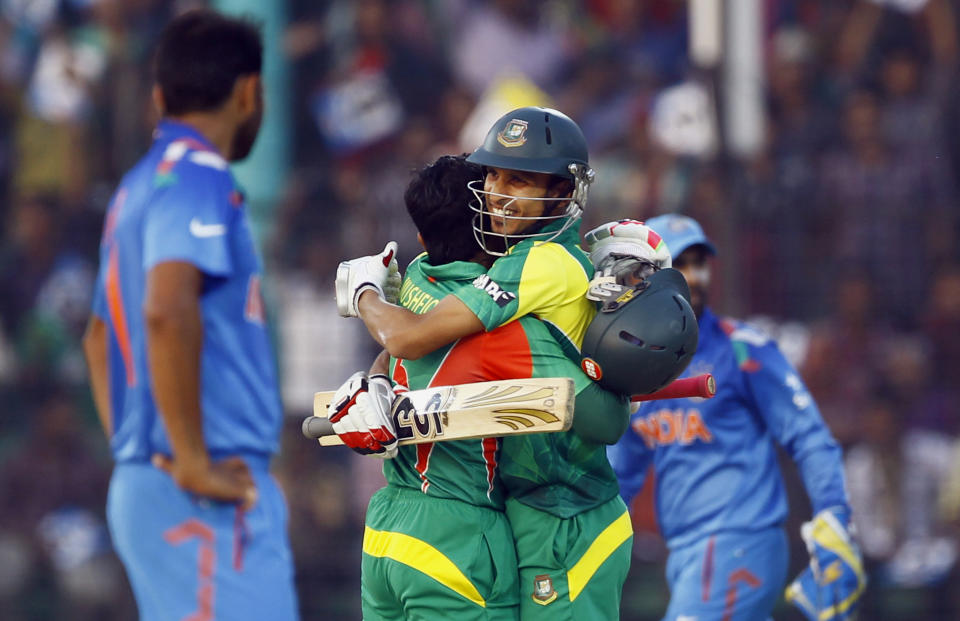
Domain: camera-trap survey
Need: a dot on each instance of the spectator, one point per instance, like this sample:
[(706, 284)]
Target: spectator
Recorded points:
[(848, 343), (872, 199)]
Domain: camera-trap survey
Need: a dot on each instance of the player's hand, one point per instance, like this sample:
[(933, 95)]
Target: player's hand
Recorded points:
[(378, 272), (625, 239), (227, 480), (831, 587), (603, 288), (361, 415)]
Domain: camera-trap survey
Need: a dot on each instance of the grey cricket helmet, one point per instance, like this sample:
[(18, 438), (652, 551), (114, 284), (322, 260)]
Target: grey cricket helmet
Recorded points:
[(643, 340)]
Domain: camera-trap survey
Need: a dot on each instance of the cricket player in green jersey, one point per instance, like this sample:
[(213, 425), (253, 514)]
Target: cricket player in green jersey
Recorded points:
[(436, 537), (571, 530)]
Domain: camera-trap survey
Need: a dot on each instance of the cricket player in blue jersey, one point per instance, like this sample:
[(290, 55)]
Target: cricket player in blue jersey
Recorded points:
[(181, 365), (720, 497)]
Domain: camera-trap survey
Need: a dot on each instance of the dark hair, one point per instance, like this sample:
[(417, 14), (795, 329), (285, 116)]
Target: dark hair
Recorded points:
[(438, 200), (199, 58)]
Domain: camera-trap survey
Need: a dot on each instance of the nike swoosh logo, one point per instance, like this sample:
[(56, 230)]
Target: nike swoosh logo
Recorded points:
[(198, 229)]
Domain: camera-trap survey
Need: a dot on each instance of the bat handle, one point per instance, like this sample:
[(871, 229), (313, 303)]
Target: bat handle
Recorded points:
[(315, 427), (697, 386)]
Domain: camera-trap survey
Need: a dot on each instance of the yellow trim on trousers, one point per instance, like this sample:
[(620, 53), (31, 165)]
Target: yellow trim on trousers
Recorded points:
[(602, 547), (421, 556)]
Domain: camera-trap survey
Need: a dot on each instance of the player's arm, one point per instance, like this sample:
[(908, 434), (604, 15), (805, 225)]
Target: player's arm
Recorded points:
[(367, 287), (786, 405), (381, 364), (95, 352), (405, 334), (783, 401), (174, 328), (599, 415)]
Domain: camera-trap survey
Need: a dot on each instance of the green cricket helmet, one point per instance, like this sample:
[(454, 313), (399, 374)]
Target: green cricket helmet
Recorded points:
[(644, 338), (540, 140)]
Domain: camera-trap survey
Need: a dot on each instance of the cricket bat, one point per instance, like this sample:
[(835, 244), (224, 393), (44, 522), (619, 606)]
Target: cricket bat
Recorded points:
[(489, 409), (464, 411)]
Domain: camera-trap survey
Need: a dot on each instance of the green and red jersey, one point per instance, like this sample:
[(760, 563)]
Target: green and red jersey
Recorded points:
[(561, 473), (467, 470)]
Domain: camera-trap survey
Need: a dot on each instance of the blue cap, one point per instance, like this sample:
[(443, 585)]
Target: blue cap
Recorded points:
[(680, 232)]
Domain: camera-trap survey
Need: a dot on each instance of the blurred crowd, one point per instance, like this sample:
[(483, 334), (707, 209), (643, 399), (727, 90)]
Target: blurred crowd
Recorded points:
[(839, 235)]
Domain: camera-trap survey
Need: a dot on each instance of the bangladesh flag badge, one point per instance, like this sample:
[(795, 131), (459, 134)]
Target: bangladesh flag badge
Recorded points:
[(513, 134), (543, 592)]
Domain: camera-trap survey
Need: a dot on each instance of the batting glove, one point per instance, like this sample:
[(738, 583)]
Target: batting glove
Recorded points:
[(626, 238), (361, 415), (378, 272), (831, 587), (603, 288)]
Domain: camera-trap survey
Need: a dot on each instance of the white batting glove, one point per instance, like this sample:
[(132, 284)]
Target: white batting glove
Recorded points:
[(378, 272), (627, 238), (623, 253), (361, 415)]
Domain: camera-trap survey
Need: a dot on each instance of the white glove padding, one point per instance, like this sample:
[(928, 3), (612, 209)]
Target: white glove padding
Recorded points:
[(361, 415), (627, 238), (378, 272), (604, 288)]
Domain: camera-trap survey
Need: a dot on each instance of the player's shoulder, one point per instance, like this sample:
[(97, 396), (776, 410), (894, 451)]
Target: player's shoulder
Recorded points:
[(185, 161), (742, 332), (554, 256)]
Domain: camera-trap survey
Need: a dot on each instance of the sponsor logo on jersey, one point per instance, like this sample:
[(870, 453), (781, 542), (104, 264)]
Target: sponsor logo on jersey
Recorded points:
[(501, 297), (513, 134), (200, 230), (543, 592), (663, 427)]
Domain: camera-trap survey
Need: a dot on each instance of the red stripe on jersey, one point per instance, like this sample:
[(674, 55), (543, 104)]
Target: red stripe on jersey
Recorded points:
[(400, 379), (503, 353), (118, 316), (490, 446), (423, 464)]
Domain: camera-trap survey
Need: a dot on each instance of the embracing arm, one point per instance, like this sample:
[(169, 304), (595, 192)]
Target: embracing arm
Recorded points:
[(405, 334), (600, 416), (95, 352)]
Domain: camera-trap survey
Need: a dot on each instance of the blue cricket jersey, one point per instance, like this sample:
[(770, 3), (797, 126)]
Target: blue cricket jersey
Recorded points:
[(181, 203), (715, 459)]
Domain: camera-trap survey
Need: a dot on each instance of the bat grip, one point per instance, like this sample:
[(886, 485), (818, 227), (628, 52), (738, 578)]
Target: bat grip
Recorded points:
[(697, 386), (315, 427)]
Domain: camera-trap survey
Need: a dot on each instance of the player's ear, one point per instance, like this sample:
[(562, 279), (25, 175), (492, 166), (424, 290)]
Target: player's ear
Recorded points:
[(157, 95), (247, 89)]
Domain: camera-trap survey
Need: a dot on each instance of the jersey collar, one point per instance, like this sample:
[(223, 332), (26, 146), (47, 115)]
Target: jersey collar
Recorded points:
[(169, 130), (458, 270)]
